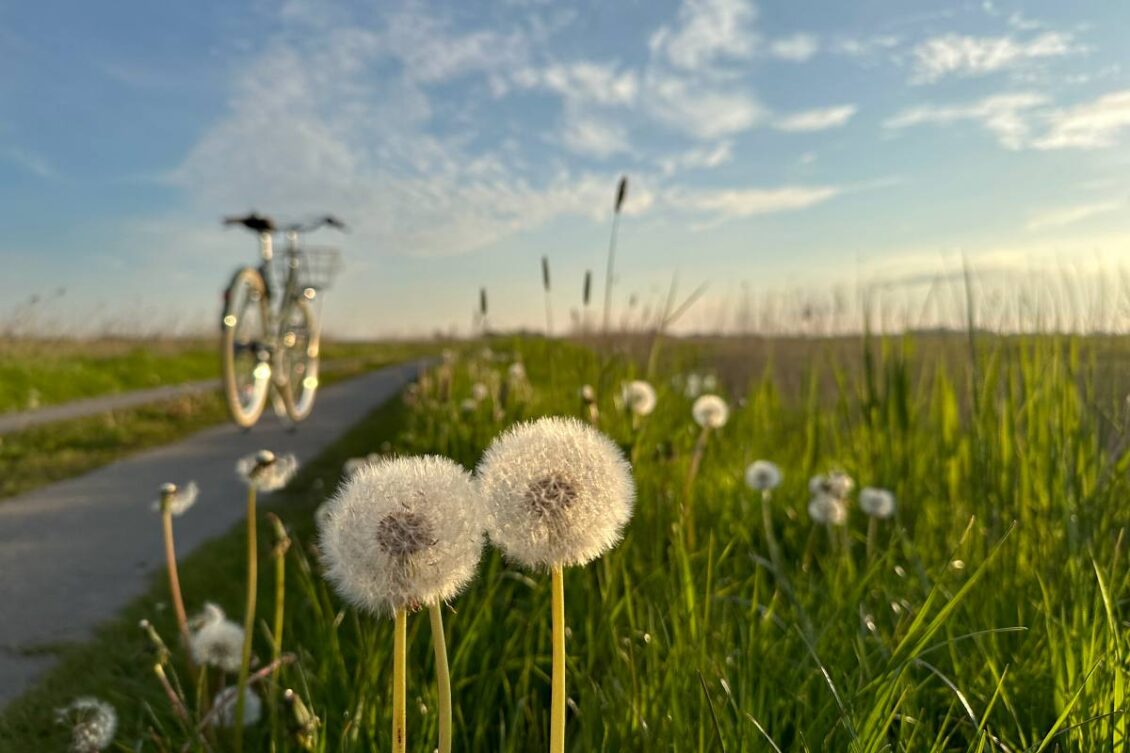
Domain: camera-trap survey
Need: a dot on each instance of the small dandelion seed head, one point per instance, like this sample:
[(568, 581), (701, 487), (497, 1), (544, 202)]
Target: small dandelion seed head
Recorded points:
[(588, 394), (92, 722), (835, 484), (639, 397), (266, 472), (762, 476), (224, 705), (558, 492), (178, 500), (517, 372), (402, 532), (710, 412), (479, 392), (878, 503), (216, 641), (824, 509)]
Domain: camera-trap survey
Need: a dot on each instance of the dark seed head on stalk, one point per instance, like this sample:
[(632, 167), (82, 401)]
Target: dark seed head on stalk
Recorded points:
[(551, 494), (483, 301), (621, 193), (588, 285), (403, 534), (545, 273)]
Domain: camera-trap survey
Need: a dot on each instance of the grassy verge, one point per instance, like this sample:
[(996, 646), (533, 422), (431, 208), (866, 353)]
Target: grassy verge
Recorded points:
[(37, 373), (66, 449)]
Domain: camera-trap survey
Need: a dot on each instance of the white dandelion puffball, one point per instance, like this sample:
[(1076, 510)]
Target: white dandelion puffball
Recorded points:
[(878, 503), (216, 641), (639, 397), (835, 484), (517, 372), (223, 705), (588, 394), (92, 722), (762, 476), (693, 385), (179, 500), (710, 412), (558, 492), (827, 510), (479, 392), (265, 471), (402, 533)]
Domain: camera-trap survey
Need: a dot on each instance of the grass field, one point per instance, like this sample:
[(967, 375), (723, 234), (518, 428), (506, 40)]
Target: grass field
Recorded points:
[(988, 615), (40, 455)]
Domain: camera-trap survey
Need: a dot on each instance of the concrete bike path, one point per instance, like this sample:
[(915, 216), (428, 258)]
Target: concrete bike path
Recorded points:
[(74, 553), (92, 406)]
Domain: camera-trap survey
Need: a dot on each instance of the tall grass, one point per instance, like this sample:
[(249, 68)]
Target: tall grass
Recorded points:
[(991, 616)]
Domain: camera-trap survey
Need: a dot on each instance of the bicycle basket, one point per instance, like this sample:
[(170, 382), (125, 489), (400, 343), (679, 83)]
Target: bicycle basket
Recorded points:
[(317, 267)]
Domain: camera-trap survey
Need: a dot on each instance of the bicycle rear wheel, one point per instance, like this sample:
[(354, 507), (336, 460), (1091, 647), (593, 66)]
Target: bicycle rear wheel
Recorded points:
[(298, 356), (244, 347)]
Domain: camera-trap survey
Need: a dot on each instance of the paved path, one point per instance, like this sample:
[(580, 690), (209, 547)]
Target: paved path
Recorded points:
[(92, 406), (74, 553)]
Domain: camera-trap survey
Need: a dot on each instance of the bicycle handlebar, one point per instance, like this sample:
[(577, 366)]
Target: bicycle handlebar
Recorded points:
[(262, 224)]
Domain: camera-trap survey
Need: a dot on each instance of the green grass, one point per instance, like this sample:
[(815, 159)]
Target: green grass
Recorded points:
[(53, 452), (991, 616), (37, 373)]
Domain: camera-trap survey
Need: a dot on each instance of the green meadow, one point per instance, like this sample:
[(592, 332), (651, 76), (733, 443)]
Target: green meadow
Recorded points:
[(988, 614)]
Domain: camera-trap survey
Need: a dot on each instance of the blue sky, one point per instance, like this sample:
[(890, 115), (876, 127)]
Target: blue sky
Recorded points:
[(771, 146)]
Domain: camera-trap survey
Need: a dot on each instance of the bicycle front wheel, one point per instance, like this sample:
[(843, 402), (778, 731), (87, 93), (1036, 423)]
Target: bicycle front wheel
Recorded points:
[(244, 347), (298, 356)]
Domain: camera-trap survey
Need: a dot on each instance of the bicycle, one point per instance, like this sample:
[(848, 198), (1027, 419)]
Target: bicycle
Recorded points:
[(270, 335)]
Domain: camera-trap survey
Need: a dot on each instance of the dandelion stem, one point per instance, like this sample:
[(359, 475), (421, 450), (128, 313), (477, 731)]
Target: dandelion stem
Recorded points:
[(399, 683), (282, 544), (872, 538), (557, 700), (443, 678), (770, 539), (174, 578), (248, 618), (692, 472)]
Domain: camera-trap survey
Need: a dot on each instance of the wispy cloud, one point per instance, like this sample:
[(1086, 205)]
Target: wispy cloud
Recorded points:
[(816, 120), (1053, 219), (1091, 125), (595, 137), (796, 48), (698, 157), (707, 32), (962, 55), (1027, 120), (29, 161), (1003, 115), (583, 82), (726, 204)]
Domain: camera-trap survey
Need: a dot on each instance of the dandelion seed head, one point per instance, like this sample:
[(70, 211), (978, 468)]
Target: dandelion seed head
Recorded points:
[(224, 707), (216, 641), (266, 472), (710, 412), (639, 397), (824, 509), (92, 722), (762, 476), (835, 484), (588, 394), (479, 392), (401, 533), (558, 492), (692, 385), (878, 503), (179, 500), (517, 372)]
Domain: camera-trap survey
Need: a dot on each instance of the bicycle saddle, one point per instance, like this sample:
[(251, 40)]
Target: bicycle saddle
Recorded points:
[(253, 221)]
